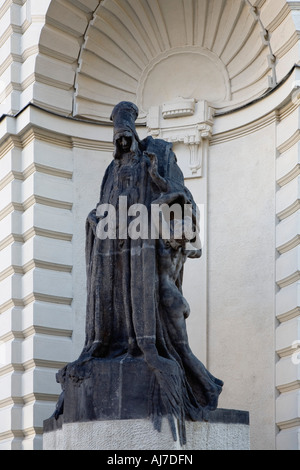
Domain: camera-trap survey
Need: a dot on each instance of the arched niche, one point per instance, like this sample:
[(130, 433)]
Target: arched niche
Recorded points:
[(149, 52), (94, 53)]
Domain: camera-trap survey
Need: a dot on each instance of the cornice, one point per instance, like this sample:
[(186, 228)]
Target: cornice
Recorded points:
[(244, 130), (52, 127)]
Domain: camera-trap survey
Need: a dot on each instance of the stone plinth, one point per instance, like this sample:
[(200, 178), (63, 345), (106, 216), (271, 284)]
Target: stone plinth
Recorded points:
[(221, 430), (106, 389), (106, 407)]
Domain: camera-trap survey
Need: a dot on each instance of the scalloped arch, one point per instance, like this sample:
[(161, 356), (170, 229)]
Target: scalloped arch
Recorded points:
[(147, 51), (153, 51)]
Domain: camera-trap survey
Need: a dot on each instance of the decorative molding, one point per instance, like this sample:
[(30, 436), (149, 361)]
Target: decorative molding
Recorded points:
[(178, 108), (33, 431), (5, 6), (186, 121), (52, 82), (33, 231), (64, 27), (44, 330), (45, 201), (9, 143), (265, 36), (276, 22), (33, 397), (288, 351), (11, 207), (291, 105), (289, 280), (34, 167), (36, 329), (44, 135), (292, 423), (289, 245), (10, 271), (289, 210), (59, 55), (32, 264), (92, 144), (250, 128), (288, 177), (283, 317), (290, 174), (289, 387), (12, 175), (293, 5), (10, 336), (287, 46), (48, 170), (11, 434), (54, 138), (10, 368), (287, 144), (10, 239), (33, 363), (11, 304), (178, 52), (34, 296), (11, 401)]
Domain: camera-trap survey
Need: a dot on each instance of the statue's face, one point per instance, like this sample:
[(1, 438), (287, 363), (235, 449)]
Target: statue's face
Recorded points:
[(124, 142)]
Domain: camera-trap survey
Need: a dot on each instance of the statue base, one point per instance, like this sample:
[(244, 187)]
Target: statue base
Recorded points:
[(106, 389), (223, 430), (105, 406)]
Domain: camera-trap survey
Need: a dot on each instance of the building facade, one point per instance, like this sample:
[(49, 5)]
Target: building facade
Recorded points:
[(221, 80)]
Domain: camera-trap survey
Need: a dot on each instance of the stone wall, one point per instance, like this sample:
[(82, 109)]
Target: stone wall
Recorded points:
[(240, 161)]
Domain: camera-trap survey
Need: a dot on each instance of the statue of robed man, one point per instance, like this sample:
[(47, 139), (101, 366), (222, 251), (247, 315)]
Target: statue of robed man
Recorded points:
[(135, 304)]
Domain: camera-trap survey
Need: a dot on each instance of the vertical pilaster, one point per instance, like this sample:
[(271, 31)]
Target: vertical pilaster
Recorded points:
[(36, 229), (288, 279)]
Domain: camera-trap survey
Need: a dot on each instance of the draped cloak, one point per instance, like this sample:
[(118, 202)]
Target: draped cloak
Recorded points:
[(128, 284)]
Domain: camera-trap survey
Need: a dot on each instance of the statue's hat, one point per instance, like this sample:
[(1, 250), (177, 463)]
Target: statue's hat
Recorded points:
[(124, 116)]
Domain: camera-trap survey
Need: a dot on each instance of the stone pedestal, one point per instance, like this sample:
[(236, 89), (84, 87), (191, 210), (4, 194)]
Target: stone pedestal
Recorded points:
[(221, 430), (105, 406)]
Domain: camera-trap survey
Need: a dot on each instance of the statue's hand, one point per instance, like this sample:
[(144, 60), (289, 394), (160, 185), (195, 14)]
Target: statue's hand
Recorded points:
[(153, 161)]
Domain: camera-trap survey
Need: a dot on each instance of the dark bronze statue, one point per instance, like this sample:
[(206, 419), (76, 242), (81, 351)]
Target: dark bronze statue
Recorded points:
[(136, 313)]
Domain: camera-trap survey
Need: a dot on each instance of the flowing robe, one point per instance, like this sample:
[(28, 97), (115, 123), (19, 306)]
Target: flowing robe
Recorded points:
[(135, 303), (123, 298)]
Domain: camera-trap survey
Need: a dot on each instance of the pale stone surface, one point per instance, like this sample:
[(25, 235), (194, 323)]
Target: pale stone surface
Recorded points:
[(140, 435), (288, 407), (286, 197), (287, 267), (287, 277), (288, 300), (241, 277), (288, 232), (288, 334), (289, 439), (75, 151)]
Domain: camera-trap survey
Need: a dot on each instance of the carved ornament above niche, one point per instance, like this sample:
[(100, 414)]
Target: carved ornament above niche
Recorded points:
[(191, 72), (179, 108), (186, 121)]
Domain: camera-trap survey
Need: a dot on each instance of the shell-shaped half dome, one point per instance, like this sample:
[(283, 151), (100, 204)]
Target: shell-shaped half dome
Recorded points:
[(153, 51)]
